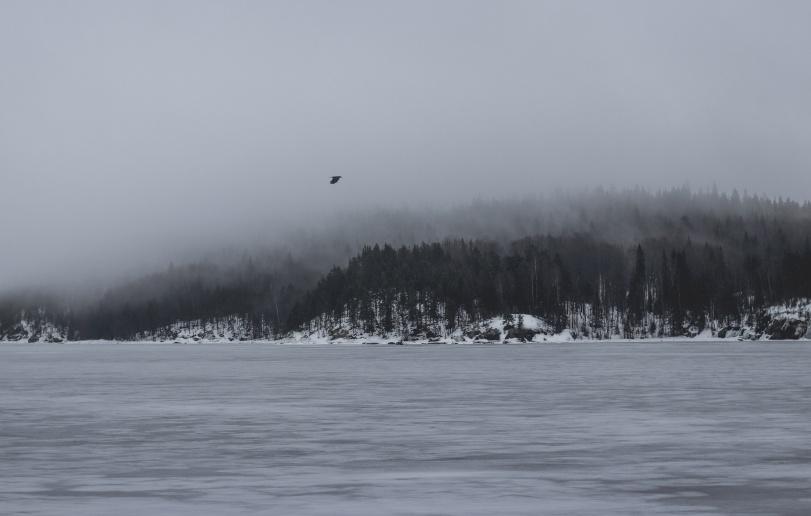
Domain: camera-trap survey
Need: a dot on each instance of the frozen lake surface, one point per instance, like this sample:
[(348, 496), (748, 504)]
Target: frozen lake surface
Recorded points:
[(570, 429)]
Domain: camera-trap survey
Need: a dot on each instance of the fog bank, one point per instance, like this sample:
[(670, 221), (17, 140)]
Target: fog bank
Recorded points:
[(138, 133)]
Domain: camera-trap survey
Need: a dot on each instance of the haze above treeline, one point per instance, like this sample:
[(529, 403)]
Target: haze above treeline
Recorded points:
[(134, 134), (619, 217)]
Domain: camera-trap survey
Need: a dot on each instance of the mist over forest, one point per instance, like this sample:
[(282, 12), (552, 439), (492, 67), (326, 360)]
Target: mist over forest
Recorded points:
[(169, 162), (714, 254), (137, 135)]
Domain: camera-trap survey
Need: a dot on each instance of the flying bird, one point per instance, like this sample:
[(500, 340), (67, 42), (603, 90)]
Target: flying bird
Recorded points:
[(335, 179)]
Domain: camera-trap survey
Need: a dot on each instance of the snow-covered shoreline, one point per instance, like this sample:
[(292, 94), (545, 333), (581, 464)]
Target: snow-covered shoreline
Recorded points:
[(783, 322), (443, 342), (561, 338)]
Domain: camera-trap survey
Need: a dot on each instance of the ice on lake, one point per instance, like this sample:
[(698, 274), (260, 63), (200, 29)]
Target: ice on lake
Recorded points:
[(558, 429)]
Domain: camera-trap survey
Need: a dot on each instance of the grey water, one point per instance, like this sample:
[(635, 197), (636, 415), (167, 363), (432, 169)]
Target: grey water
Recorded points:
[(682, 428)]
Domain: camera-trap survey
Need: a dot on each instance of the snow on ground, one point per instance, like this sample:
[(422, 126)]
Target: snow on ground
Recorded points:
[(801, 309), (780, 322)]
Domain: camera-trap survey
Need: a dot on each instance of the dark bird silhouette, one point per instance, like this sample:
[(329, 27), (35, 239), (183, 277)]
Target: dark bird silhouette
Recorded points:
[(335, 179)]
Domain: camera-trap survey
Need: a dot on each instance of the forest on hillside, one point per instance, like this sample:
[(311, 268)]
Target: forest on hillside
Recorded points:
[(559, 279), (615, 258)]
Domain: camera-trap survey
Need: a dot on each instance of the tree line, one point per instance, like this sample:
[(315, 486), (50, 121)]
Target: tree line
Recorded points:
[(568, 281), (610, 260)]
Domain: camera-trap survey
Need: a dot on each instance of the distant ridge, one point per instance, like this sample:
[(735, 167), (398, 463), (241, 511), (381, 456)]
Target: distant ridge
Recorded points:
[(633, 263)]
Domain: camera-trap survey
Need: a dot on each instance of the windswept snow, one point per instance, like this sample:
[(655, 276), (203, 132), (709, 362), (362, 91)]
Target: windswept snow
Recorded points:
[(609, 429)]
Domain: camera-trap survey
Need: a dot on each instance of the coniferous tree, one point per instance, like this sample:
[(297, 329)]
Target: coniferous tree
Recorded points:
[(636, 290)]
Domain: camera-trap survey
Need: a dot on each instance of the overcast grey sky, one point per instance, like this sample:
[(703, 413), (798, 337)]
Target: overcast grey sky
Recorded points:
[(131, 129)]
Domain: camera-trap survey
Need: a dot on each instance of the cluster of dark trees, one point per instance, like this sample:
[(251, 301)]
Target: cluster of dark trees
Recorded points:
[(682, 283), (261, 293), (603, 255)]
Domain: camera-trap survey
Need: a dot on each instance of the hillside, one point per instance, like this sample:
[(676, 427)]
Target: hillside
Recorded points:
[(601, 264)]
